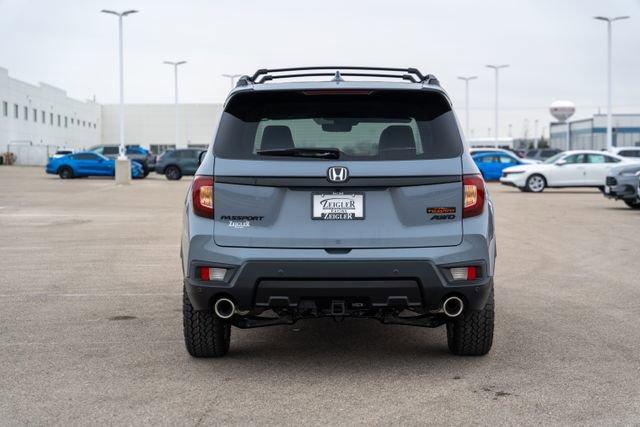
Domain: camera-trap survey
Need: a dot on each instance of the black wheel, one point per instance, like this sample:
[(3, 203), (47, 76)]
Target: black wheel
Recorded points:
[(172, 173), (633, 204), (145, 172), (65, 172), (205, 334), (536, 183), (471, 333)]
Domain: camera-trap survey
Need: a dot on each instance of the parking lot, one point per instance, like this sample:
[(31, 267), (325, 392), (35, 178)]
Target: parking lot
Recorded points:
[(91, 323)]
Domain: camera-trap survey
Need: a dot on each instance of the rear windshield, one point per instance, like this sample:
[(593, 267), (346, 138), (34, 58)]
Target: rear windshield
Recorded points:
[(362, 125)]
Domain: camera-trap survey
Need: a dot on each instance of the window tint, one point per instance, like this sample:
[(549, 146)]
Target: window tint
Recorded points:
[(379, 125), (86, 156), (506, 159), (187, 154), (630, 153), (107, 151), (575, 158), (597, 158)]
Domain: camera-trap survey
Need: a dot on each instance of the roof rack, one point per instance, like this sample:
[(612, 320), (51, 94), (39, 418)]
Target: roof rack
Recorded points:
[(265, 74)]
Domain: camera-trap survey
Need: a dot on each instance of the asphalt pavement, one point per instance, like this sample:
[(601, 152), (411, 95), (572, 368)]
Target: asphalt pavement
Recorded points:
[(91, 323)]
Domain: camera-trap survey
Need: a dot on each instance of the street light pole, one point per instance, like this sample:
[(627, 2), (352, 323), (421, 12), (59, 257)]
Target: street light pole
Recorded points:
[(175, 81), (497, 68), (466, 101), (232, 78), (120, 15), (609, 22)]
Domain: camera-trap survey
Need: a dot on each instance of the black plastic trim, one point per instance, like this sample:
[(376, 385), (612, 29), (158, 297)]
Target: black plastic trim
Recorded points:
[(294, 181)]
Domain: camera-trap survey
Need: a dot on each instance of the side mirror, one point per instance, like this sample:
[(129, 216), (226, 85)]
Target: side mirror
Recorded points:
[(201, 157), (561, 162)]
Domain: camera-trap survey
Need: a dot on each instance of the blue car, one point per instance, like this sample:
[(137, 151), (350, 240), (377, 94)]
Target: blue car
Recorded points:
[(491, 164), (87, 163)]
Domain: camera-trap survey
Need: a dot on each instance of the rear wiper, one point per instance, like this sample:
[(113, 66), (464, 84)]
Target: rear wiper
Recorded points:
[(323, 153)]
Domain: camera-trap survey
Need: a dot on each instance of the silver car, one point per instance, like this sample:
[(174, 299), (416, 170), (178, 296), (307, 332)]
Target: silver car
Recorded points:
[(622, 184), (338, 198)]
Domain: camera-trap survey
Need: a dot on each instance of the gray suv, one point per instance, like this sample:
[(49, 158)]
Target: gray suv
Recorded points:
[(622, 183), (338, 198)]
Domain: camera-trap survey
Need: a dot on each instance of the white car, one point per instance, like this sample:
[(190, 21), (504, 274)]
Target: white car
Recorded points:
[(579, 168), (632, 152), (478, 150)]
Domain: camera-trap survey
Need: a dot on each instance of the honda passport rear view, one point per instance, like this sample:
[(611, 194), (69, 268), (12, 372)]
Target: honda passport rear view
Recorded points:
[(338, 198)]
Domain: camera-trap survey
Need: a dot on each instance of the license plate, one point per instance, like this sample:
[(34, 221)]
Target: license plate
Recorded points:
[(337, 206)]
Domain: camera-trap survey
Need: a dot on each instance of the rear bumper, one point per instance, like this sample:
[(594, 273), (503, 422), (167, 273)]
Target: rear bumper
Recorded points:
[(377, 283), (624, 187)]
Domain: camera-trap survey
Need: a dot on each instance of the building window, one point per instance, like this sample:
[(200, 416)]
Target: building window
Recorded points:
[(35, 115), (15, 111), (71, 120), (44, 117), (58, 120), (5, 108), (26, 113), (51, 119), (65, 121)]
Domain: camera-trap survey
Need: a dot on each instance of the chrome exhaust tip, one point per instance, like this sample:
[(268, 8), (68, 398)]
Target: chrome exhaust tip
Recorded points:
[(224, 308), (453, 306)]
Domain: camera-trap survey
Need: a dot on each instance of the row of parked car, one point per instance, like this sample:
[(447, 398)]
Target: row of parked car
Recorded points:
[(616, 174), (100, 161)]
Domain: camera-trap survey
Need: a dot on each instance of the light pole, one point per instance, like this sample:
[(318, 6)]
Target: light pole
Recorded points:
[(609, 21), (175, 81), (123, 167), (232, 78), (466, 101), (496, 68)]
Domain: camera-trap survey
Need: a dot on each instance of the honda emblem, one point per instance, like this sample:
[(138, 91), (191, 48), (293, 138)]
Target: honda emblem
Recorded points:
[(337, 174)]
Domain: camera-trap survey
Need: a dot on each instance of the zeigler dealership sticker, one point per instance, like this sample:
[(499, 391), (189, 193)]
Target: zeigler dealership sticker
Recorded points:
[(337, 206)]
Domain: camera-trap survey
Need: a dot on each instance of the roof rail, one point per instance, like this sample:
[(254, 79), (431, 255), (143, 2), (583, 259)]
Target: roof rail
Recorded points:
[(265, 74)]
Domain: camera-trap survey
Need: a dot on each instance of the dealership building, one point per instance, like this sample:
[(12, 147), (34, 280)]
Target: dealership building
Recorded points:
[(37, 120), (591, 133)]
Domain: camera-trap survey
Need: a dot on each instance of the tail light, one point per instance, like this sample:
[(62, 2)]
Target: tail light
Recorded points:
[(202, 196), (473, 195), (464, 273)]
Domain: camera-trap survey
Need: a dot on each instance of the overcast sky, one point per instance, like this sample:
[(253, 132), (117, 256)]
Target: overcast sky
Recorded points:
[(555, 49)]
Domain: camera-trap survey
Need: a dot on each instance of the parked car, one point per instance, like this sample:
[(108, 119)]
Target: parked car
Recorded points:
[(580, 168), (338, 199), (135, 153), (622, 183), (542, 153), (173, 164), (492, 164), (87, 163), (477, 150), (633, 152)]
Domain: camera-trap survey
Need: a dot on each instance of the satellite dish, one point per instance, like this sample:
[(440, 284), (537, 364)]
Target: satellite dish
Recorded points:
[(562, 110)]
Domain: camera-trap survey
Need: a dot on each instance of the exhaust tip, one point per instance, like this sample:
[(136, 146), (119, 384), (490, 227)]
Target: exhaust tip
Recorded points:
[(453, 306), (224, 308)]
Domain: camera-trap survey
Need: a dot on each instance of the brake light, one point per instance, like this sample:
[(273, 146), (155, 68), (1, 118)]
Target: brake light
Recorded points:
[(473, 195), (202, 196)]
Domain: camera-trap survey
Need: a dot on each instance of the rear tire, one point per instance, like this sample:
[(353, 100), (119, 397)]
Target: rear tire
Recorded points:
[(173, 173), (471, 333), (205, 334), (536, 183), (633, 204), (65, 172)]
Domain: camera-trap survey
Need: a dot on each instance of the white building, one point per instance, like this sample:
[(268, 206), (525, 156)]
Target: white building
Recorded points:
[(153, 125), (591, 133), (36, 120)]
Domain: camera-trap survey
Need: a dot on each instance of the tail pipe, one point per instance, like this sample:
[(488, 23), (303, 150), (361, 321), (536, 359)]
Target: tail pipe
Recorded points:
[(224, 308), (453, 306)]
